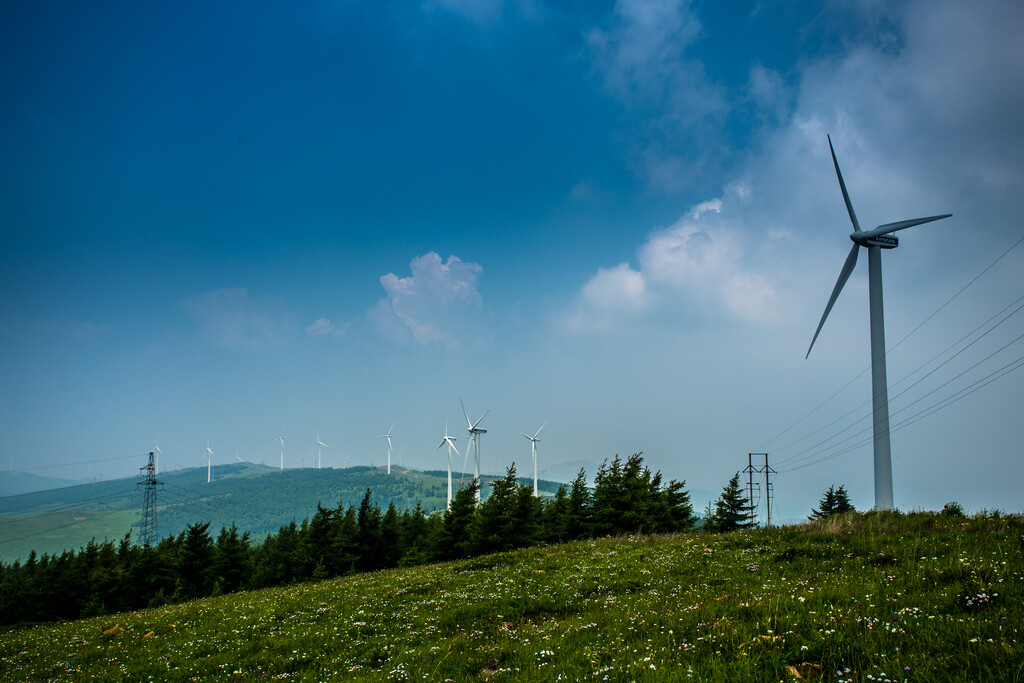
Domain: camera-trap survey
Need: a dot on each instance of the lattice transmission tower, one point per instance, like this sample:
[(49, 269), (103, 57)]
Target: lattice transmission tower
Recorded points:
[(148, 534)]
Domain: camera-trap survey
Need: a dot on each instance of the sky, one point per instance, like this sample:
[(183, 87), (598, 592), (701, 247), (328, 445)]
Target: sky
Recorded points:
[(223, 224)]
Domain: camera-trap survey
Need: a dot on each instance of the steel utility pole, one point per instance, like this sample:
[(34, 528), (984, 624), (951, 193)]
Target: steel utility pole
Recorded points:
[(751, 470), (148, 534), (769, 490)]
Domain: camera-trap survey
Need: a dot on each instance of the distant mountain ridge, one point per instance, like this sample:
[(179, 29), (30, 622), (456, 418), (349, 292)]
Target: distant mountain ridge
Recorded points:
[(17, 483)]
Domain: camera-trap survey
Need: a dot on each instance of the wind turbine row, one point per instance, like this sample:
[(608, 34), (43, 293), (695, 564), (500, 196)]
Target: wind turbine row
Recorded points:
[(475, 430)]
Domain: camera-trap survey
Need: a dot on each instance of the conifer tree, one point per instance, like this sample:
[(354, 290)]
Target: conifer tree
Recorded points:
[(455, 539), (733, 510), (834, 502), (579, 522)]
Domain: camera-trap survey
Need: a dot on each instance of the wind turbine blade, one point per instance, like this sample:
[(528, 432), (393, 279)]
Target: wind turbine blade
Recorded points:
[(443, 442), (456, 450), (390, 428), (480, 420), (846, 195), (902, 225), (469, 422), (541, 427), (851, 261), (527, 436)]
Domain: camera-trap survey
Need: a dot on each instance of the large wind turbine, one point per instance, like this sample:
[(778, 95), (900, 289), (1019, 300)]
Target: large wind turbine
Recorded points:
[(281, 439), (388, 437), (450, 440), (474, 436), (533, 447), (874, 241)]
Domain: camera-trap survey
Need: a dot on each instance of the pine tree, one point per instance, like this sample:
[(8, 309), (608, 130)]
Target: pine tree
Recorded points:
[(733, 510), (579, 523), (834, 502), (455, 539), (843, 503), (495, 529)]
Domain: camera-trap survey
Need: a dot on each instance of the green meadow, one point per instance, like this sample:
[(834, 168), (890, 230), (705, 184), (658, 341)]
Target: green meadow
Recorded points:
[(859, 597)]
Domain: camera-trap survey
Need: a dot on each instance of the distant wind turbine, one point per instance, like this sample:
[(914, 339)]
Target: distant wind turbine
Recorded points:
[(388, 437), (474, 435), (450, 440), (874, 241), (156, 459), (533, 447), (320, 445), (281, 439), (209, 460)]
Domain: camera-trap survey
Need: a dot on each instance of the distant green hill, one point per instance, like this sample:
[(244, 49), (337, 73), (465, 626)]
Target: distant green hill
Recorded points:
[(17, 483), (257, 498)]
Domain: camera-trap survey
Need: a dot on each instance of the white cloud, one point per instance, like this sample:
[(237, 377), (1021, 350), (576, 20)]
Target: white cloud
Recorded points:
[(233, 319), (700, 265), (609, 300), (430, 303), (320, 328), (641, 55), (922, 127), (325, 327), (641, 60), (487, 13)]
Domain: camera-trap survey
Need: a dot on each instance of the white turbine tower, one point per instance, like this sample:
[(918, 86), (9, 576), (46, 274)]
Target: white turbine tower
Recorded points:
[(533, 447), (388, 437), (281, 439), (209, 460), (874, 241), (450, 440), (320, 445), (474, 439)]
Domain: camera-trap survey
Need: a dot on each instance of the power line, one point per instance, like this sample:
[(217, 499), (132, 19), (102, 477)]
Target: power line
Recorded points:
[(72, 464), (897, 344), (929, 410), (918, 369)]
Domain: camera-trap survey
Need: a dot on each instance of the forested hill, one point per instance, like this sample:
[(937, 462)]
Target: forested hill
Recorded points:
[(256, 498)]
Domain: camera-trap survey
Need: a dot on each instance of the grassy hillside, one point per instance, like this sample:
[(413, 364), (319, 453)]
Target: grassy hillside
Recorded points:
[(874, 597), (256, 498)]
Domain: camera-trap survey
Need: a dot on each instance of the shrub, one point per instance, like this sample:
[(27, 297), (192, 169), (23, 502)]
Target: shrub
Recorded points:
[(954, 509)]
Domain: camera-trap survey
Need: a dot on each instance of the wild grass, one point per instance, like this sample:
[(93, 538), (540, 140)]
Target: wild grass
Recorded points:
[(867, 597)]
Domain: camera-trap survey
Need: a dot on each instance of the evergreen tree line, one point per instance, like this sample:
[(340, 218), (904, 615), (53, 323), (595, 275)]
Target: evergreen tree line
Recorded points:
[(106, 577)]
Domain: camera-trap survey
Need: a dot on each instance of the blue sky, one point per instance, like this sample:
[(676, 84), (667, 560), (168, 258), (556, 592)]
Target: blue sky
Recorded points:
[(234, 223)]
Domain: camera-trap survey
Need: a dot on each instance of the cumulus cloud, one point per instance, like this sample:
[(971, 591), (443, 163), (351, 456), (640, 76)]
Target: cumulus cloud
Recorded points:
[(922, 125), (429, 304), (697, 266), (232, 318), (610, 299)]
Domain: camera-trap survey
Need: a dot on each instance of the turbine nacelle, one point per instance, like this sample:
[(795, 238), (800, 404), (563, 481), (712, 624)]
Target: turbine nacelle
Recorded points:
[(873, 238)]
